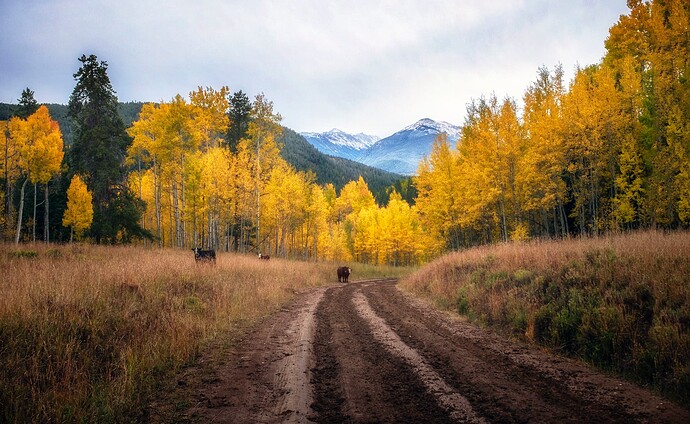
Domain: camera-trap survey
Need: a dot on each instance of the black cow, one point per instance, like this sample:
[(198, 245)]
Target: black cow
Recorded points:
[(201, 255), (343, 274), (264, 257)]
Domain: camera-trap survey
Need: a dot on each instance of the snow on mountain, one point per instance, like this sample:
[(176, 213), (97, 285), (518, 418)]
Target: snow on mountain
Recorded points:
[(339, 143), (401, 152), (429, 126)]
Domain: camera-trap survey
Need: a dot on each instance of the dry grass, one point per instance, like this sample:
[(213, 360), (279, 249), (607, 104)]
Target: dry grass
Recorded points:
[(88, 332), (621, 303)]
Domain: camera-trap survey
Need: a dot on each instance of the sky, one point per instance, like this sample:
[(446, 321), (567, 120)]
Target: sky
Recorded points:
[(372, 66)]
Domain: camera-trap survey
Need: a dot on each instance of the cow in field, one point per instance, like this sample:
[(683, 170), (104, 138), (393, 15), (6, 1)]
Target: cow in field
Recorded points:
[(201, 255), (343, 274), (264, 257)]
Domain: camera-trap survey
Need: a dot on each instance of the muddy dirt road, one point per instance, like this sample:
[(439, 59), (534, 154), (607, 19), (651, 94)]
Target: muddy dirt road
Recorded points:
[(366, 353)]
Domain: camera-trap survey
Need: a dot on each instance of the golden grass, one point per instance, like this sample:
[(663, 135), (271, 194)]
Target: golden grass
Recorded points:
[(88, 332), (619, 302)]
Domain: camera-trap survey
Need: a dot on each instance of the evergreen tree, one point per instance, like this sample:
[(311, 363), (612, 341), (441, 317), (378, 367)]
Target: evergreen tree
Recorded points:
[(27, 104), (240, 115), (98, 152)]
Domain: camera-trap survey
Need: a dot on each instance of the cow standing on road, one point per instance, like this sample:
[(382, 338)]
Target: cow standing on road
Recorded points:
[(343, 274), (201, 255)]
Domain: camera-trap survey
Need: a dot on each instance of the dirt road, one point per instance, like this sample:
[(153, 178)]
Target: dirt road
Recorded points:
[(366, 353)]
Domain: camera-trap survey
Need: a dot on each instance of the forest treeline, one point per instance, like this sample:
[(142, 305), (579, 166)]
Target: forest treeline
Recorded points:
[(608, 152), (204, 171)]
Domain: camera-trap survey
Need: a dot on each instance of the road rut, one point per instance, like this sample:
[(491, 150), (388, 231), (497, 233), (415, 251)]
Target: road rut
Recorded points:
[(365, 352)]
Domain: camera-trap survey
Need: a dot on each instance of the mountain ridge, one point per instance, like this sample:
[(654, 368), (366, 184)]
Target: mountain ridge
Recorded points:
[(340, 143), (399, 153)]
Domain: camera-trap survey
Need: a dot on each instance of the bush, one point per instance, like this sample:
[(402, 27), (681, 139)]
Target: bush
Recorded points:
[(23, 254), (621, 303)]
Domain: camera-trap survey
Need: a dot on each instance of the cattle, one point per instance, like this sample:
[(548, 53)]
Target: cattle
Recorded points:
[(264, 257), (201, 255), (343, 274)]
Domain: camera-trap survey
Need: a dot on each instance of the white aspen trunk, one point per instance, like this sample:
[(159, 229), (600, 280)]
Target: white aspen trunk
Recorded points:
[(179, 231), (183, 222), (21, 211), (257, 181), (157, 200)]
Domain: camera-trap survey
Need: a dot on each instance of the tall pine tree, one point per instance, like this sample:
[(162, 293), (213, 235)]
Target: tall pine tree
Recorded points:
[(98, 153), (240, 115), (27, 104)]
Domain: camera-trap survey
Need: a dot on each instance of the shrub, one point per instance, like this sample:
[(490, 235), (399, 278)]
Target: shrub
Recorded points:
[(620, 302)]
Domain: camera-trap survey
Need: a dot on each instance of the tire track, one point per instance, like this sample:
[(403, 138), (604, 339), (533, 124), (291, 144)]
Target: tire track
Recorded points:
[(364, 352), (356, 380), (457, 405), (265, 378), (292, 393)]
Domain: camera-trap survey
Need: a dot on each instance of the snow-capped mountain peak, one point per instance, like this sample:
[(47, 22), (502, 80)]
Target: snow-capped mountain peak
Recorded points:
[(399, 153), (339, 143), (429, 126)]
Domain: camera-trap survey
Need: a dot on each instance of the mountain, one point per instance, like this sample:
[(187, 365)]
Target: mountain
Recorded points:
[(401, 152), (339, 143), (297, 151)]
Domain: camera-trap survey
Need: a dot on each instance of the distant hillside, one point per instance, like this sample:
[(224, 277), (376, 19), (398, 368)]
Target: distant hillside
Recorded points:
[(329, 169), (129, 112)]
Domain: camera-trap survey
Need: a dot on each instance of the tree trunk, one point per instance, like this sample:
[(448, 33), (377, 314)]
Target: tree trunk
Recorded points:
[(46, 220), (7, 206), (176, 216), (33, 227), (157, 199), (21, 211), (504, 225)]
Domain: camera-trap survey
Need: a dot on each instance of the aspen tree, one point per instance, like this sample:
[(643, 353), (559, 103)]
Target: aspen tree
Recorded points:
[(10, 172), (437, 192), (264, 130), (540, 183), (79, 213), (40, 152)]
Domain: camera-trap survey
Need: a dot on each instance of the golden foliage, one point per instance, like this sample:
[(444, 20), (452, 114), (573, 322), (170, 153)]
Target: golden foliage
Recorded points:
[(79, 212)]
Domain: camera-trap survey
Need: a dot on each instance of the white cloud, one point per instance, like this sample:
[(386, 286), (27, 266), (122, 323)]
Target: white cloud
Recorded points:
[(373, 66)]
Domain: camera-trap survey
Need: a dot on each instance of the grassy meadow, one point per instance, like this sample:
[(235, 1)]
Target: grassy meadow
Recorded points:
[(621, 303), (87, 333)]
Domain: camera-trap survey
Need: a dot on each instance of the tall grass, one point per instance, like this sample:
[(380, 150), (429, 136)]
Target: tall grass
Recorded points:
[(87, 332), (621, 303)]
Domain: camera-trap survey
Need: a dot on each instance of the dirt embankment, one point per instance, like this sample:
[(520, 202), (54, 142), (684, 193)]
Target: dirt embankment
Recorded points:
[(365, 352)]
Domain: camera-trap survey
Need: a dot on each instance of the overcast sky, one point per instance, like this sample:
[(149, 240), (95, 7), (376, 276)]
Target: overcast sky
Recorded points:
[(358, 65)]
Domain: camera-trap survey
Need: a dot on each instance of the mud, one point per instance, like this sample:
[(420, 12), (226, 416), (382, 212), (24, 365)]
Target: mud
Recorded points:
[(365, 352)]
